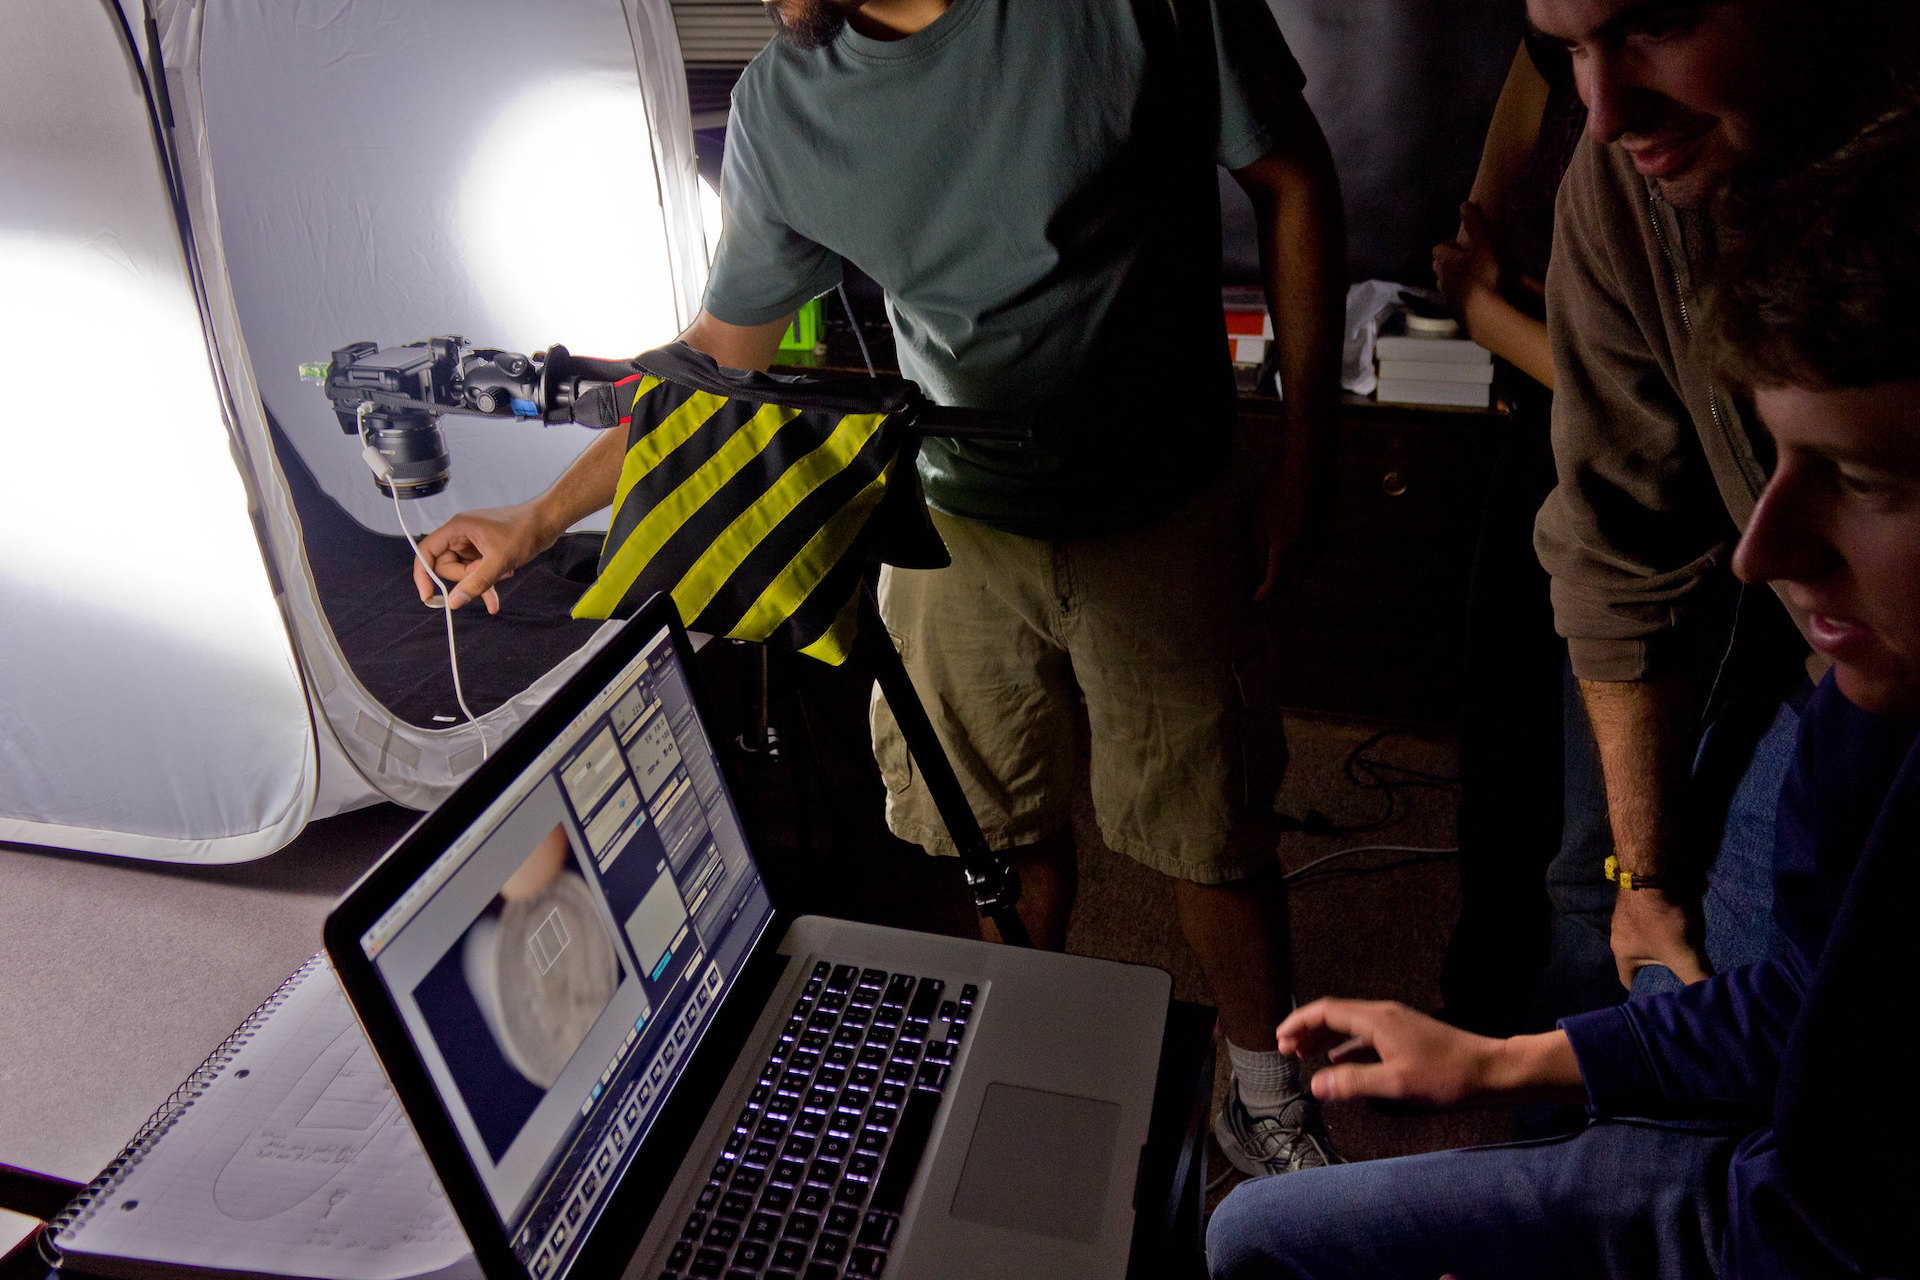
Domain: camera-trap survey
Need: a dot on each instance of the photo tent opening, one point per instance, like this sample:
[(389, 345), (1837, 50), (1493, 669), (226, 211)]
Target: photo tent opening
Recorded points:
[(208, 629)]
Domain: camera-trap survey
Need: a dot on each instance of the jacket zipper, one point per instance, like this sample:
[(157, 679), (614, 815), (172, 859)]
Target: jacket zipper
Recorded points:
[(1673, 268)]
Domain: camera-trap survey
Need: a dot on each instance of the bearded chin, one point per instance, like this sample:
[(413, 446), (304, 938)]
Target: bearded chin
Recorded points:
[(807, 24)]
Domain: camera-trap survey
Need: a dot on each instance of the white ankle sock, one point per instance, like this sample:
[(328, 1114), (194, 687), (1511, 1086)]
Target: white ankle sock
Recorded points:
[(1268, 1081)]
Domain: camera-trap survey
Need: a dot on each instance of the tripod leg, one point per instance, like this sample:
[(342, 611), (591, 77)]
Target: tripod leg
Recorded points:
[(995, 885)]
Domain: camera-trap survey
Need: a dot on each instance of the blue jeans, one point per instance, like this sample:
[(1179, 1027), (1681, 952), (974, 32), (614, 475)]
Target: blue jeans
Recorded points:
[(1568, 1208), (1738, 904)]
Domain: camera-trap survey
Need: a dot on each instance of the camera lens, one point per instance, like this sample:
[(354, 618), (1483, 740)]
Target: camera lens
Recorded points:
[(413, 447)]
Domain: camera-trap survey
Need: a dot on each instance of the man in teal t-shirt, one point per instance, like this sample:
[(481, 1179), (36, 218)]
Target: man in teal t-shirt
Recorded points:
[(1033, 185)]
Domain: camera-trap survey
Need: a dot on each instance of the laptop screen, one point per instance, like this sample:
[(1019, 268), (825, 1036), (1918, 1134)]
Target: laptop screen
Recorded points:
[(557, 964)]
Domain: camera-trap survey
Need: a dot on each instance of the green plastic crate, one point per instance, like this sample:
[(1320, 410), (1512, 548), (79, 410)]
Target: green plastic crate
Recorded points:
[(805, 331)]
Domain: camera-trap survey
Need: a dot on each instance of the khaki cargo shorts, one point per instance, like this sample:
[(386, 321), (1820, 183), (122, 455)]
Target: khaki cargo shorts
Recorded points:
[(1154, 629)]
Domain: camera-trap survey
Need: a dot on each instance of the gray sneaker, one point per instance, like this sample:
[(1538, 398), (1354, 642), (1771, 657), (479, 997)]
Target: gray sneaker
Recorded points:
[(1285, 1141)]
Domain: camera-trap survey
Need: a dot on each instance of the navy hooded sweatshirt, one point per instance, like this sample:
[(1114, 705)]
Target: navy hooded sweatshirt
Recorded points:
[(1803, 1045)]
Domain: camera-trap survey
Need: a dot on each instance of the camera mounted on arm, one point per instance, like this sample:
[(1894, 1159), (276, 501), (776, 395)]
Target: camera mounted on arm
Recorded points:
[(393, 397)]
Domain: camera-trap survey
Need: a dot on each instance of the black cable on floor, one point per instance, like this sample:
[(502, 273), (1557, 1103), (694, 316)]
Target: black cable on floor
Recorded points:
[(1368, 773)]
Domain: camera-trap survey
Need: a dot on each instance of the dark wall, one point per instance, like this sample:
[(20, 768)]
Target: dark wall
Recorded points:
[(1403, 90)]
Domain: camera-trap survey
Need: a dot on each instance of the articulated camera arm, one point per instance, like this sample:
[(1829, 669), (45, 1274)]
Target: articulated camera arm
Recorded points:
[(393, 398)]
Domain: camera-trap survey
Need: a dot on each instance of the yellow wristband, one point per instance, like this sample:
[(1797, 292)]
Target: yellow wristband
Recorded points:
[(1628, 880)]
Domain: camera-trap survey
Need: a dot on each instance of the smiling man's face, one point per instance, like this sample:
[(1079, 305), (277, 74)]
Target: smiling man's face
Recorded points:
[(1684, 86), (1839, 528)]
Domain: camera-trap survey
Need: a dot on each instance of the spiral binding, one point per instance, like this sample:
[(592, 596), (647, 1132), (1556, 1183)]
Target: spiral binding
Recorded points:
[(94, 1194)]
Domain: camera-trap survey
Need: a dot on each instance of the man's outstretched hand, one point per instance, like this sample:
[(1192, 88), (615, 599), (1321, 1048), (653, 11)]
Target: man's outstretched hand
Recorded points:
[(477, 549), (1379, 1049)]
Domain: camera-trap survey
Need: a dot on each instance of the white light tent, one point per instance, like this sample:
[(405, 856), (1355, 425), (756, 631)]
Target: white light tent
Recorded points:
[(517, 171)]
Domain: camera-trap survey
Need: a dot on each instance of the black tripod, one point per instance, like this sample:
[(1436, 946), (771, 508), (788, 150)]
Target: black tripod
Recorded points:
[(995, 885)]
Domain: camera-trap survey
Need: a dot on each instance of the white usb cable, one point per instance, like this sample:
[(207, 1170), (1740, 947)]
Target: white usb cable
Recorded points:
[(378, 464)]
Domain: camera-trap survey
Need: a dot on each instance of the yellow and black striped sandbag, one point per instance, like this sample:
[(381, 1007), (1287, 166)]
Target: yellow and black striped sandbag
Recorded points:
[(755, 500)]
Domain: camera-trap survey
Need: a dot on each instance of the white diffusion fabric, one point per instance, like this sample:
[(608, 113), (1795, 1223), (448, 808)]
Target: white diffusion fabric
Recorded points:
[(394, 170), (149, 701)]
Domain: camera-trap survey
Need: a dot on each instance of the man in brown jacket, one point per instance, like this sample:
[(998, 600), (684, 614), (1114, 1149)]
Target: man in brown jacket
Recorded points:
[(1659, 467)]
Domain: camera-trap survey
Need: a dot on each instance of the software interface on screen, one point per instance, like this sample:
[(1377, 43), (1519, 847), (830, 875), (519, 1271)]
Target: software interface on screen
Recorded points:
[(557, 964)]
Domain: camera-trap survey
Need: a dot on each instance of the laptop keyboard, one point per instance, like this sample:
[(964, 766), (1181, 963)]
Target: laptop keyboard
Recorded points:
[(817, 1168)]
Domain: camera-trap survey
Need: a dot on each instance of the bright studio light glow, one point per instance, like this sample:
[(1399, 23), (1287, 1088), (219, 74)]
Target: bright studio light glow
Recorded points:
[(560, 219), (118, 487), (710, 218)]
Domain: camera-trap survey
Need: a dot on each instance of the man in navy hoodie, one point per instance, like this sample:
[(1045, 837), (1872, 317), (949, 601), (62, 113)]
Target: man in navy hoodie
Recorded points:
[(1745, 1125)]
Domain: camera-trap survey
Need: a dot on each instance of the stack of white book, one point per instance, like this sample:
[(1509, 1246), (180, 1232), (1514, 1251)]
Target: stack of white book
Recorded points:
[(1417, 369)]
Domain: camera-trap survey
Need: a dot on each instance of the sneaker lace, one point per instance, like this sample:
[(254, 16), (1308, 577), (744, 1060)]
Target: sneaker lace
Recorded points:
[(1285, 1137)]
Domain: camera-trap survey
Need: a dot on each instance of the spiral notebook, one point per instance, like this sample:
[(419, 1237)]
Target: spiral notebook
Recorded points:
[(284, 1154)]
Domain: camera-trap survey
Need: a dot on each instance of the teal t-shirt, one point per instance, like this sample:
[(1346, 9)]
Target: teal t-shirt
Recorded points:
[(1032, 183)]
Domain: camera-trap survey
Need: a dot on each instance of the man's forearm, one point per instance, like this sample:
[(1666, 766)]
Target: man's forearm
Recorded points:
[(1645, 730), (593, 478), (1308, 301), (1536, 1068), (587, 485), (735, 346), (1303, 255), (1505, 330), (1511, 135), (1383, 1049)]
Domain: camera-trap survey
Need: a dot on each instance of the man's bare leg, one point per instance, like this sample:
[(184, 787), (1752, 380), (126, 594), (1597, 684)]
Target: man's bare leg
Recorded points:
[(1049, 881), (1238, 931), (1269, 1123)]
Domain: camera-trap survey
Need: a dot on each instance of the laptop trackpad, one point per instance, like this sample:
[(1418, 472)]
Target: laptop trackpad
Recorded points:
[(1039, 1162)]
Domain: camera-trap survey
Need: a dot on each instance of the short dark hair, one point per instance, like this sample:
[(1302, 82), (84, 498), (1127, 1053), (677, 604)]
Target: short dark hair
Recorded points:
[(1819, 284)]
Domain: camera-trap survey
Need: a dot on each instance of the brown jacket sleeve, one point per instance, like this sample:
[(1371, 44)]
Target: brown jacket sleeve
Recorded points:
[(1636, 522)]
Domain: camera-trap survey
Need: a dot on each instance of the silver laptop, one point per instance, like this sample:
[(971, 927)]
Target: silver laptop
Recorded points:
[(622, 1058)]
